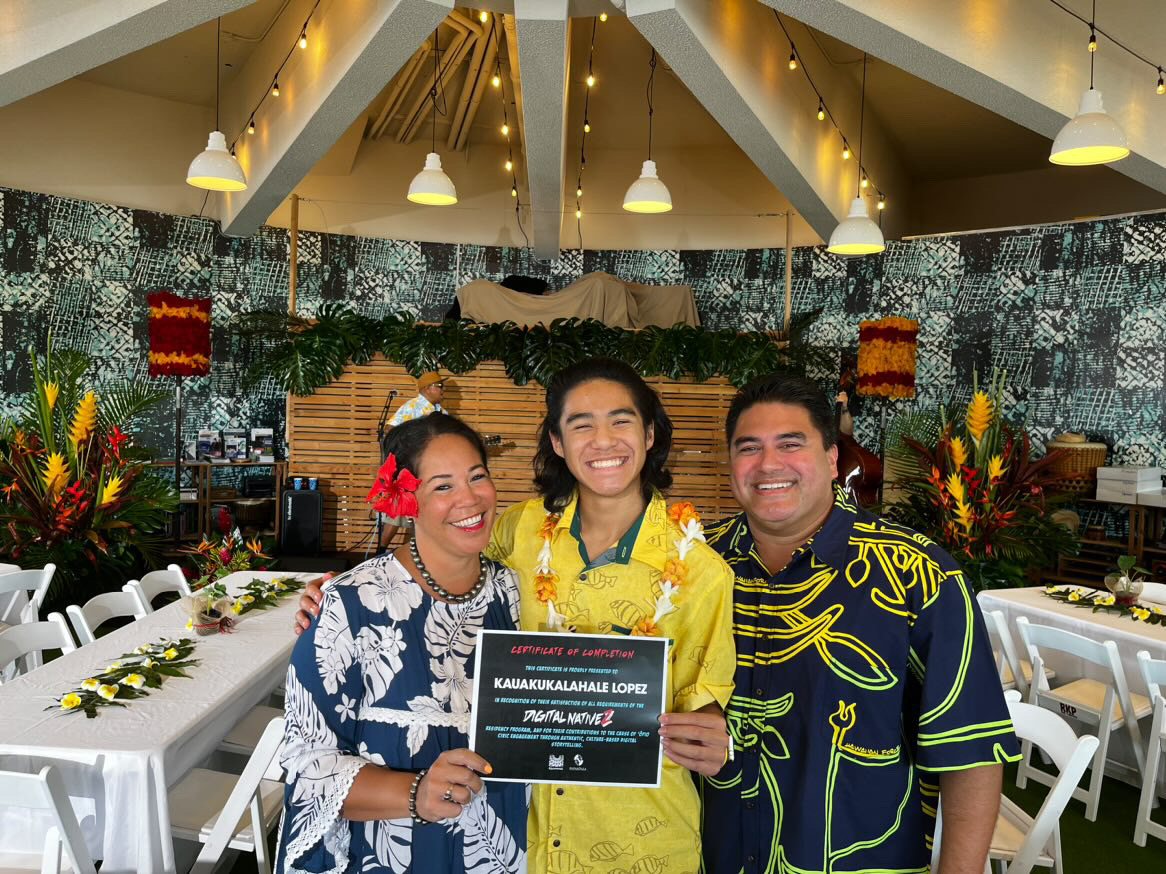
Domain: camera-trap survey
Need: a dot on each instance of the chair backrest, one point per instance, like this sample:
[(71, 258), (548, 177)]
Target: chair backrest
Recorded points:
[(29, 637), (263, 764), (1155, 592), (35, 582), (1153, 673), (46, 791), (1002, 639), (100, 609), (154, 583), (1072, 756)]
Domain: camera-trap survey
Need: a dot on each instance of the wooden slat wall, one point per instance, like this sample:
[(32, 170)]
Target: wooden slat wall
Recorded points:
[(332, 436)]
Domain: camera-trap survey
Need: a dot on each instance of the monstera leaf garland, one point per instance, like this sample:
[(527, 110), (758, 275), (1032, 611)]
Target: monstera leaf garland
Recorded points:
[(303, 355)]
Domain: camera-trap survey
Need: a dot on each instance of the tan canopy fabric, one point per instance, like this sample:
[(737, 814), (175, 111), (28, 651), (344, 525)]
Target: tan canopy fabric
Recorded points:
[(599, 296)]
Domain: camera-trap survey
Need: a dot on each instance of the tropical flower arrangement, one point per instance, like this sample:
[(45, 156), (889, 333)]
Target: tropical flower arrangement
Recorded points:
[(214, 559), (886, 357), (130, 676), (977, 491), (1151, 614), (74, 490)]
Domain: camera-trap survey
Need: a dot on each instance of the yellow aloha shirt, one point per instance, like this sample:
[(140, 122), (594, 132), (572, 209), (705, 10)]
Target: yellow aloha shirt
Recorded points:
[(579, 829)]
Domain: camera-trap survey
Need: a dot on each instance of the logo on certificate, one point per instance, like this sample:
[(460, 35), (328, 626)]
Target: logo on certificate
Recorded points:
[(578, 760), (555, 763)]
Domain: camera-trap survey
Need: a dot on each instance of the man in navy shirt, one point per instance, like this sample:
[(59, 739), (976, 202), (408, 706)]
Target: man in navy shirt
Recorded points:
[(865, 685)]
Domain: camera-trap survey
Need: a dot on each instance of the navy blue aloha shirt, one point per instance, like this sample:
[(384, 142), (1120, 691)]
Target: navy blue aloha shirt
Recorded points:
[(863, 671)]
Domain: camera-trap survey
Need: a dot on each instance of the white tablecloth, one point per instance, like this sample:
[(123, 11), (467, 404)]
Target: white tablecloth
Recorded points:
[(1129, 635), (117, 766)]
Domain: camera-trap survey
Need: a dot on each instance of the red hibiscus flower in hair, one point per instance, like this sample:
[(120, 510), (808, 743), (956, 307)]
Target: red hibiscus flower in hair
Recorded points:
[(393, 491)]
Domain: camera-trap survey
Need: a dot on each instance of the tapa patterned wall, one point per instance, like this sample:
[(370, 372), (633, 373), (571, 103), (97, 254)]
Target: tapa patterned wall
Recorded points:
[(1076, 313)]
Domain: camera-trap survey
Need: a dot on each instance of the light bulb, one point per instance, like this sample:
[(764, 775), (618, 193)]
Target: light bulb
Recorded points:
[(509, 165), (275, 88), (882, 202), (586, 127), (864, 182), (232, 151), (603, 16), (304, 39), (483, 16), (1092, 40), (845, 152), (578, 192), (590, 80), (821, 111), (578, 213), (793, 61), (513, 192), (251, 125), (496, 81), (505, 130), (1161, 82)]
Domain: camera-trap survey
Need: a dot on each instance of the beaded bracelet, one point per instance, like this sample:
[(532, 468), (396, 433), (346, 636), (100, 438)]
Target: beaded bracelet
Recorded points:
[(413, 799)]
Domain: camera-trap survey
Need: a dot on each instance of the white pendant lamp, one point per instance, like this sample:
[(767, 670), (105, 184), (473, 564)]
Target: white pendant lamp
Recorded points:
[(1091, 136), (431, 187), (215, 168), (857, 234), (648, 194)]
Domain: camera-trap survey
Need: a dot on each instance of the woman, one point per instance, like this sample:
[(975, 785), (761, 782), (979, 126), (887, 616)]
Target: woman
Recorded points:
[(378, 690)]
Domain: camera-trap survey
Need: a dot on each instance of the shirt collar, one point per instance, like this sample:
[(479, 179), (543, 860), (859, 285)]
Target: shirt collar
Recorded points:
[(646, 540)]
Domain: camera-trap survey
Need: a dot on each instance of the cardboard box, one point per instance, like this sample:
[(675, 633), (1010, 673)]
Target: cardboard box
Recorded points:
[(1153, 498), (1130, 473), (1114, 496)]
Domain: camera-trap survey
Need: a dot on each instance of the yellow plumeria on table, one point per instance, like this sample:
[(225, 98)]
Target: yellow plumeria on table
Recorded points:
[(108, 691), (90, 684), (71, 701), (133, 675), (1149, 614)]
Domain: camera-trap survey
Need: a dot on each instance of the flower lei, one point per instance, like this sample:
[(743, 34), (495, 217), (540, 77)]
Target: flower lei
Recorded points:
[(393, 491), (674, 575), (1105, 601)]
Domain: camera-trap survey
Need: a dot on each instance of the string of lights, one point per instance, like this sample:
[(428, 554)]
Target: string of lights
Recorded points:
[(586, 129), (796, 62), (1094, 30), (273, 91), (497, 82)]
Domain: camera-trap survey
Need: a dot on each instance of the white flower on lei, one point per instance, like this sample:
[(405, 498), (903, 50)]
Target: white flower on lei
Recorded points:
[(692, 531), (664, 604)]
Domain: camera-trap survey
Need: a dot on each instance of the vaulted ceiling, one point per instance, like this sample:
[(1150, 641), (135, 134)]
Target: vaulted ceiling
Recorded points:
[(956, 93)]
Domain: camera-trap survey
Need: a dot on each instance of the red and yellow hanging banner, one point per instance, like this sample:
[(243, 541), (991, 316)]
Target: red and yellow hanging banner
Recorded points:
[(180, 335), (886, 357)]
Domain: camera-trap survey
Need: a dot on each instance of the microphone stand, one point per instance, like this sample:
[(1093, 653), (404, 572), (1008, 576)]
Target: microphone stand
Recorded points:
[(381, 431)]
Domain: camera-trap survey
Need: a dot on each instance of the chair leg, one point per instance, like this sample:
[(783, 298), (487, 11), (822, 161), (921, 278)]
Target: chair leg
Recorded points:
[(259, 834), (1022, 768), (1098, 775), (1149, 785)]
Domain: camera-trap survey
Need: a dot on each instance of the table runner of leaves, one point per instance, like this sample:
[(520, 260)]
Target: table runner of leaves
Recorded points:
[(1104, 602), (255, 595), (130, 676)]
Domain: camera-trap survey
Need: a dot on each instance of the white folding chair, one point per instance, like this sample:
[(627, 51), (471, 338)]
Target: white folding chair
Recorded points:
[(100, 609), (1015, 672), (244, 737), (211, 807), (34, 583), (154, 583), (34, 637), (1154, 673), (1106, 706), (63, 841), (1155, 592)]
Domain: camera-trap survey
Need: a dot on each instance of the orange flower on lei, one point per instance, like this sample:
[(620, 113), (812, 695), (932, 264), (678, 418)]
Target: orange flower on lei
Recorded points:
[(545, 588), (675, 572), (645, 628), (683, 511), (547, 528)]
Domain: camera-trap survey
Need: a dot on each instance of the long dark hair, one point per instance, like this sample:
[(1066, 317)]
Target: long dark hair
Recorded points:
[(409, 440), (554, 481)]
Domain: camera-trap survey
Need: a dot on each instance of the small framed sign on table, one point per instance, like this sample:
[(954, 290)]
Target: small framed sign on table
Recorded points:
[(569, 708)]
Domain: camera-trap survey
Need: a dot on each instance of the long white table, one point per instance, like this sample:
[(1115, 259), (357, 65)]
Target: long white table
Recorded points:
[(1129, 635), (118, 766)]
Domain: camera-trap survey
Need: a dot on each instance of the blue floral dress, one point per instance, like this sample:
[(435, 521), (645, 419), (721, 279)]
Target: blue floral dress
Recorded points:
[(386, 676)]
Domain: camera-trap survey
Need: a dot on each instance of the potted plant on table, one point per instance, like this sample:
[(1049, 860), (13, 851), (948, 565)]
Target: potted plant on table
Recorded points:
[(1125, 585), (210, 606)]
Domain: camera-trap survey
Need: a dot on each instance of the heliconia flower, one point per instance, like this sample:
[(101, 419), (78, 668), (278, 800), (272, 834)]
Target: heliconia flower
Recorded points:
[(134, 681), (110, 492), (955, 487), (84, 419), (979, 417), (107, 691), (995, 468), (55, 475), (51, 392), (959, 452), (71, 701), (964, 513), (89, 684)]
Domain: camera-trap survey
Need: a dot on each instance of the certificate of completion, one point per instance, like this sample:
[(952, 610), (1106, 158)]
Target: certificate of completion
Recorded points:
[(569, 708)]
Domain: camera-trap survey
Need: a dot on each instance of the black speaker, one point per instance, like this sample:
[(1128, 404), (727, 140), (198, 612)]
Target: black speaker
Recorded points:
[(302, 525)]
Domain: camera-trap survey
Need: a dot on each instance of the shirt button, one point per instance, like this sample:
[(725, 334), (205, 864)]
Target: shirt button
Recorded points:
[(750, 804), (583, 577), (558, 791), (556, 842), (751, 859), (759, 691)]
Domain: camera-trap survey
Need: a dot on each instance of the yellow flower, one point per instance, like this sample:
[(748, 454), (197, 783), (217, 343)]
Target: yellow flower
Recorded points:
[(278, 586), (237, 607), (545, 588), (89, 684), (51, 392), (1074, 596), (1051, 590), (110, 492), (70, 701), (84, 419), (55, 475), (189, 624), (114, 665), (980, 414), (149, 663), (675, 572), (134, 681), (1103, 600), (995, 468), (1140, 613), (964, 513), (170, 654), (107, 691), (247, 599), (955, 487), (959, 452)]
